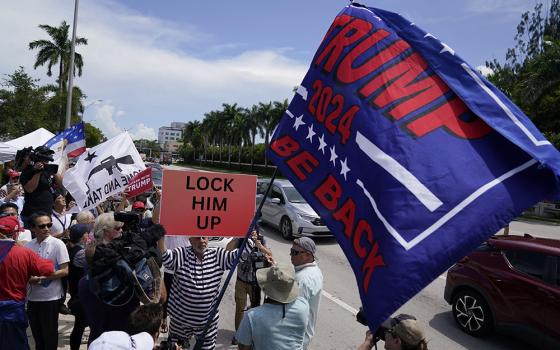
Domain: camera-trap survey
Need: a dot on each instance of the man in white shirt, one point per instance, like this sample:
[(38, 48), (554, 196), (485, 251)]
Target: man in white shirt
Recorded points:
[(310, 280), (60, 219), (45, 292)]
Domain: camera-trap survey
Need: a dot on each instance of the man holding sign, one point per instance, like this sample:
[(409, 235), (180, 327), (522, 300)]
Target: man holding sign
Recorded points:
[(216, 205), (198, 272)]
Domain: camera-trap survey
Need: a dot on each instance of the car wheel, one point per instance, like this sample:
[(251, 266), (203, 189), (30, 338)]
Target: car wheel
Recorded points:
[(472, 314), (286, 228)]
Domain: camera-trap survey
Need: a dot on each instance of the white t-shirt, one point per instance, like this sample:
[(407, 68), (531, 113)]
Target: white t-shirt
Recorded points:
[(60, 222), (25, 236), (53, 249)]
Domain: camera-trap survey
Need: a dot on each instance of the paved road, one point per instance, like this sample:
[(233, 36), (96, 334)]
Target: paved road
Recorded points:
[(337, 328)]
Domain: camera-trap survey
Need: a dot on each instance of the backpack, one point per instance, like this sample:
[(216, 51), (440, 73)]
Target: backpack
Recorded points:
[(117, 285)]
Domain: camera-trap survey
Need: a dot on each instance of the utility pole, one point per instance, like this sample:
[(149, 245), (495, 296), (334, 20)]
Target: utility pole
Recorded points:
[(71, 67)]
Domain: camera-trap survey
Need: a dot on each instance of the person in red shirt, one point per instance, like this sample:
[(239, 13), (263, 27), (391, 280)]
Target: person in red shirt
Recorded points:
[(17, 265)]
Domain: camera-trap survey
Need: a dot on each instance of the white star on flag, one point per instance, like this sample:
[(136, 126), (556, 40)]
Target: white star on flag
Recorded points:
[(333, 156), (310, 134), (322, 144), (298, 122), (344, 165), (446, 48)]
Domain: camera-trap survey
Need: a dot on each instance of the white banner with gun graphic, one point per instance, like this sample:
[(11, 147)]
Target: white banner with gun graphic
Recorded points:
[(103, 171)]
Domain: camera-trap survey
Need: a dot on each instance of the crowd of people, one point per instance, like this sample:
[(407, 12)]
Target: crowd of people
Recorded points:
[(108, 261)]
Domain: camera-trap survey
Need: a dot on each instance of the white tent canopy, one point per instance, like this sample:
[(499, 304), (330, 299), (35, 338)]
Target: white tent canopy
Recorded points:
[(7, 152), (35, 139)]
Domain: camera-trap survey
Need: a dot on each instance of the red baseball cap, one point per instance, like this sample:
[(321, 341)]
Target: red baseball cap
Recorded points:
[(12, 173), (138, 205), (9, 225)]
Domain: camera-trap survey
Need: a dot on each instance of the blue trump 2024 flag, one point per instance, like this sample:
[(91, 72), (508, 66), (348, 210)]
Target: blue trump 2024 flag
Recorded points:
[(410, 156)]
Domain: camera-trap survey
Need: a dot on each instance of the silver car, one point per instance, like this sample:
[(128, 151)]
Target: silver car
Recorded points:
[(287, 210)]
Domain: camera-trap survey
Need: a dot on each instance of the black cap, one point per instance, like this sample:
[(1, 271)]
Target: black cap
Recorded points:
[(78, 231)]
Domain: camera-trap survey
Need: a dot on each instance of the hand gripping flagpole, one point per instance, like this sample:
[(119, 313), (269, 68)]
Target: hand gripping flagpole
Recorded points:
[(200, 338)]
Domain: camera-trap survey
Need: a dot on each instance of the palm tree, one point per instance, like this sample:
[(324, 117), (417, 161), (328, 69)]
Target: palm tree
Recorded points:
[(192, 135), (257, 114), (229, 113), (270, 122), (241, 131), (57, 51)]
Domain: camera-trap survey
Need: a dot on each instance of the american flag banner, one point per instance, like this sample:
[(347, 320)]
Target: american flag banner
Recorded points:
[(70, 142), (410, 156)]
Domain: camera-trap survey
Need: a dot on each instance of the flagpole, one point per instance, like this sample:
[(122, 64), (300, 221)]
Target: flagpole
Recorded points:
[(71, 67), (200, 338)]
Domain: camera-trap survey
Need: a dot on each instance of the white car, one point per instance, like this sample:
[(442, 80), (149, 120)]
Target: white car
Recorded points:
[(287, 210)]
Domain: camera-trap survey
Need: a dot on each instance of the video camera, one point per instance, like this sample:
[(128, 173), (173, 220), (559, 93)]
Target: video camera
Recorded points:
[(39, 154), (130, 220)]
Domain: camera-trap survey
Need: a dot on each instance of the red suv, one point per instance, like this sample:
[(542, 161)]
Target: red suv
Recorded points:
[(511, 284)]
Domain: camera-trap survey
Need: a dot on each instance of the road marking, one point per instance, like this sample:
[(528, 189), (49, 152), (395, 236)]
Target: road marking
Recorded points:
[(339, 302), (349, 308)]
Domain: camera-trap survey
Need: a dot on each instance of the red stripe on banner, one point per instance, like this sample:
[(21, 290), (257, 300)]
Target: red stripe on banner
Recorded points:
[(76, 152)]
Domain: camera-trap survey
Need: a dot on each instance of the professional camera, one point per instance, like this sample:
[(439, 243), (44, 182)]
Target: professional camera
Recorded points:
[(41, 154), (130, 220), (172, 343), (258, 258)]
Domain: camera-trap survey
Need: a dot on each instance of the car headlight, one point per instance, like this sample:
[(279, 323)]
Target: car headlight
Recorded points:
[(306, 217)]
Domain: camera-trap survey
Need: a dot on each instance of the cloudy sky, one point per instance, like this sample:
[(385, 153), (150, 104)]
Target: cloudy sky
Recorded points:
[(154, 62)]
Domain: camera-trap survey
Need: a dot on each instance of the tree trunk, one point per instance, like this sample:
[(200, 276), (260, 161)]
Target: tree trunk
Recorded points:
[(229, 155), (265, 149), (60, 91), (253, 153), (239, 155)]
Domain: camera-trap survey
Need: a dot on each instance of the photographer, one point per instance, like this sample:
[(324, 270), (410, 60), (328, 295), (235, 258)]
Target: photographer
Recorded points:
[(37, 179), (402, 332), (246, 283), (123, 270)]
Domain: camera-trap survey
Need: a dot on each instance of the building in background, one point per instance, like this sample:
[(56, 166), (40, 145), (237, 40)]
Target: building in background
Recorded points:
[(170, 133)]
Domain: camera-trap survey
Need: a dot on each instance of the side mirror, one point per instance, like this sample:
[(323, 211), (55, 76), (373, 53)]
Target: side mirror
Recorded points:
[(275, 200)]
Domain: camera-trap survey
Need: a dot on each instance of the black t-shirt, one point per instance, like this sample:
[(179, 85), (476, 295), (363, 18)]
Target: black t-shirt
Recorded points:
[(41, 199)]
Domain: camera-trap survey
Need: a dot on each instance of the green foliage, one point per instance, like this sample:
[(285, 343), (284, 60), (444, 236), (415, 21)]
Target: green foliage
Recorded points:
[(150, 147), (94, 136), (23, 105), (57, 52), (531, 74), (554, 138)]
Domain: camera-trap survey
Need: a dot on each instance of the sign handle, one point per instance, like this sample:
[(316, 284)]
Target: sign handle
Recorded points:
[(200, 338)]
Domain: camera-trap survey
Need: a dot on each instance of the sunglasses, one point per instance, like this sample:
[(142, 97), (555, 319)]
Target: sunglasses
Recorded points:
[(294, 252), (43, 226)]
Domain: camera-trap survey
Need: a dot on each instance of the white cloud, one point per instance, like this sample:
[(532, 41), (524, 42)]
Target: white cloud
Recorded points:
[(141, 131), (485, 71), (151, 71), (104, 121)]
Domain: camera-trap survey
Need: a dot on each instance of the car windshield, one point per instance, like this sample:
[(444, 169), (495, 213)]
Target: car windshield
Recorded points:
[(293, 195)]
